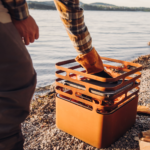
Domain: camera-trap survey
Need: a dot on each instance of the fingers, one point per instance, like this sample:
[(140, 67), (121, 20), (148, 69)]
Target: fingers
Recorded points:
[(26, 40), (31, 38), (37, 34), (27, 29)]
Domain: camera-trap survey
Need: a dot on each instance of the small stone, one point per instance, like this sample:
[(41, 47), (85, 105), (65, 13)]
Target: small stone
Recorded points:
[(55, 148), (81, 146), (133, 134), (140, 126), (136, 138), (142, 121), (137, 120)]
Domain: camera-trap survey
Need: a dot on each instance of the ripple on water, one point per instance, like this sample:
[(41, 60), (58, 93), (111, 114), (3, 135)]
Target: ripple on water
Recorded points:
[(119, 35)]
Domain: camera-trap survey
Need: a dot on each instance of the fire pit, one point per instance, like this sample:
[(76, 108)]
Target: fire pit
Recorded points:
[(94, 109)]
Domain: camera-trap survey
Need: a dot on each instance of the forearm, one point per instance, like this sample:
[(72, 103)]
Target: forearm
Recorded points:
[(18, 9), (73, 19)]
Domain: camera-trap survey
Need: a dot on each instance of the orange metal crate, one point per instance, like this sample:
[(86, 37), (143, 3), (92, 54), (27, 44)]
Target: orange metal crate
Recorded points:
[(96, 122), (98, 130)]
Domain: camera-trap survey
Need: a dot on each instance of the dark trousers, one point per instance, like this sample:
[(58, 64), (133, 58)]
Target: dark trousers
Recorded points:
[(17, 85)]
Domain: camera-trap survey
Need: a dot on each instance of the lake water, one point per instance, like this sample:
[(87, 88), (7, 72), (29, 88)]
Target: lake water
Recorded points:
[(116, 34)]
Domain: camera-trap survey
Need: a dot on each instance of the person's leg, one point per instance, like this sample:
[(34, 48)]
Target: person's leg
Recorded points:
[(17, 85)]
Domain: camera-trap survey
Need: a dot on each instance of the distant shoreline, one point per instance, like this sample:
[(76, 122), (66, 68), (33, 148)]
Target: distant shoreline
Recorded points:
[(95, 10), (96, 7)]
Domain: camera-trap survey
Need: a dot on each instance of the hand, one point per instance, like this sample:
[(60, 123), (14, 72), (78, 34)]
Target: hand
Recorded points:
[(28, 29)]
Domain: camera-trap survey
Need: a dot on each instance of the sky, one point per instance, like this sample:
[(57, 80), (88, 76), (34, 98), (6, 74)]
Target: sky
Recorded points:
[(129, 3)]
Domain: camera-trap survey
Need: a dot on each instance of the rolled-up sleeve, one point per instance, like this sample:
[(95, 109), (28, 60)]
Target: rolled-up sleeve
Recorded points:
[(18, 9), (73, 19)]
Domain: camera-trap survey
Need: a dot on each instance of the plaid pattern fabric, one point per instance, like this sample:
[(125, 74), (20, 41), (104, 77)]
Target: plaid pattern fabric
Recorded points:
[(18, 9), (73, 19)]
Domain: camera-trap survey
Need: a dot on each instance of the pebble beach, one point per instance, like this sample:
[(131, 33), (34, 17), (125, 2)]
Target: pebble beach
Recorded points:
[(41, 133)]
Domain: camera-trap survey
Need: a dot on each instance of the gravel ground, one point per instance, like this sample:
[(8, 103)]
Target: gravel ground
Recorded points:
[(40, 131)]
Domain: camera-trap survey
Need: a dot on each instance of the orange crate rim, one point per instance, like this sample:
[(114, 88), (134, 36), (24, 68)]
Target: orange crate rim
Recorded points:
[(124, 76)]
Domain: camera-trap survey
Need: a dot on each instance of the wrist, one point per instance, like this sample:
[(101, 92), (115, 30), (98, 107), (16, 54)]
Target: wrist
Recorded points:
[(20, 12)]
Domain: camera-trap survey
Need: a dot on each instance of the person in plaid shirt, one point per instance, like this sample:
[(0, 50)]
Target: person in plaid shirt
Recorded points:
[(17, 75), (73, 19)]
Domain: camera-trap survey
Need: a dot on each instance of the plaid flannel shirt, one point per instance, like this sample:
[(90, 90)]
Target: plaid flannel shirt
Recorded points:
[(73, 19), (18, 9)]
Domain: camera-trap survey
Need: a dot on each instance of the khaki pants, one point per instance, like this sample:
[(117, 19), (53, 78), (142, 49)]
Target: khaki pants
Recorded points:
[(17, 85)]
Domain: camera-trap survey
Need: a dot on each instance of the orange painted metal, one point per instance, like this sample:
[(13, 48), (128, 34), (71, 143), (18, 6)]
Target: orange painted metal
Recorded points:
[(98, 130), (99, 121)]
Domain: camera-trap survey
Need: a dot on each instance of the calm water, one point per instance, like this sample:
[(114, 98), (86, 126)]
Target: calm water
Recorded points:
[(120, 35)]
